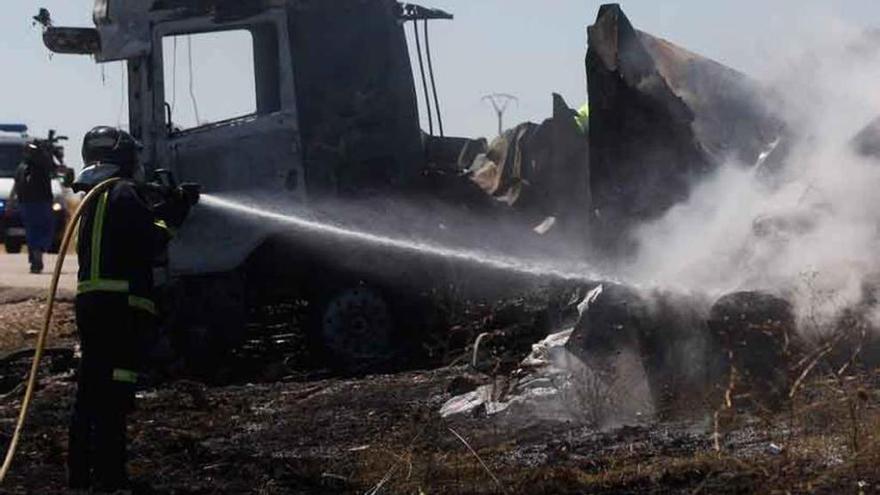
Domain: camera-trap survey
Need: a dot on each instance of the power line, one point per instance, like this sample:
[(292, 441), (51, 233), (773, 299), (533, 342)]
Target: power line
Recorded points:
[(500, 102)]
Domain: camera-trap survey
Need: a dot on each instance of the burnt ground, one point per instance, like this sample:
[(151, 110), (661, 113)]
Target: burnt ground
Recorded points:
[(382, 434)]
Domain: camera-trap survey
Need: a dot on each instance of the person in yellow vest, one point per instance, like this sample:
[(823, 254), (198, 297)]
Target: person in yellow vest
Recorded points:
[(583, 118)]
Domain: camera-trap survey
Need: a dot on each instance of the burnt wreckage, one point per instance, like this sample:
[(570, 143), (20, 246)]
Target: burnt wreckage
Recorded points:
[(661, 118), (336, 117)]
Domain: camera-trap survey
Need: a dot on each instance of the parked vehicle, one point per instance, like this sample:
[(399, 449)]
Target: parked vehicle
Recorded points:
[(13, 137), (339, 121)]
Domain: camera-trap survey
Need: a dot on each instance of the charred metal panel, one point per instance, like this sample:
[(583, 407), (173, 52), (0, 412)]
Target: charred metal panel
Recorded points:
[(124, 28), (255, 155), (356, 96), (661, 118), (77, 41), (125, 25), (260, 155), (220, 10)]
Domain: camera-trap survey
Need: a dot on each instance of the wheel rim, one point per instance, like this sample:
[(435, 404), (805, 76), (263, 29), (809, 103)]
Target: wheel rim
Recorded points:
[(356, 325)]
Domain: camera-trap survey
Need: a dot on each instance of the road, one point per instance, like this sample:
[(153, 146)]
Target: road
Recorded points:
[(14, 272)]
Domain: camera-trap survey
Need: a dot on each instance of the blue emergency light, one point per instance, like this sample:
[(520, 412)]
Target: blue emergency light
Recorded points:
[(17, 128)]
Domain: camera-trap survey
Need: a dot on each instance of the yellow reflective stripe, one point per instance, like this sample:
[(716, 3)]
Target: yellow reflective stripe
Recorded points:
[(103, 285), (97, 284), (125, 376), (164, 226), (142, 303), (97, 235), (582, 117), (119, 287)]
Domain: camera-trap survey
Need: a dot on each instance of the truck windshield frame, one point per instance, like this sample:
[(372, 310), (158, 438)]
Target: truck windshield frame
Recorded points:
[(266, 58)]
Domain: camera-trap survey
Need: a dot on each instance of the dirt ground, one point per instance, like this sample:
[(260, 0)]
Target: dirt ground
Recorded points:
[(383, 434), (15, 272), (21, 316)]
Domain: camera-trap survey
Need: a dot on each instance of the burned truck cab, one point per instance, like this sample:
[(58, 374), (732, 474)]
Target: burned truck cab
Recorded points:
[(305, 100), (313, 98)]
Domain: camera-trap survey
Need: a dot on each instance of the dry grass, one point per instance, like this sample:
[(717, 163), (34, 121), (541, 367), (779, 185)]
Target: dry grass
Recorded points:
[(817, 444), (21, 321), (382, 435)]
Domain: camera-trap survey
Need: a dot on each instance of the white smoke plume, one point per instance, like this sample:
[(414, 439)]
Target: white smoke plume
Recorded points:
[(810, 233)]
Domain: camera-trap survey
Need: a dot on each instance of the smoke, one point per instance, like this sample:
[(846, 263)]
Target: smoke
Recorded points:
[(808, 230)]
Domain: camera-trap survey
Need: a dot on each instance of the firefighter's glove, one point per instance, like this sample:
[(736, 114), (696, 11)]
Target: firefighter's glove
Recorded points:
[(190, 193), (177, 204)]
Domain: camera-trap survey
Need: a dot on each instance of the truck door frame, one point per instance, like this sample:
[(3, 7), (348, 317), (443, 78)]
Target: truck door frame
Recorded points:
[(195, 250), (287, 104)]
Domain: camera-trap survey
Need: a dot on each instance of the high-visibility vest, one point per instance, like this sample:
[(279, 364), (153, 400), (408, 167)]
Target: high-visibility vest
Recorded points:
[(583, 118), (119, 238)]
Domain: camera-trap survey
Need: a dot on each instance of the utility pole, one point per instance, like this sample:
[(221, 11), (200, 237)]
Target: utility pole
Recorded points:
[(500, 102)]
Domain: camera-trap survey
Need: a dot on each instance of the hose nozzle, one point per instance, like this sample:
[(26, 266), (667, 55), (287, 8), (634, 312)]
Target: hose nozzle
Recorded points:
[(191, 192)]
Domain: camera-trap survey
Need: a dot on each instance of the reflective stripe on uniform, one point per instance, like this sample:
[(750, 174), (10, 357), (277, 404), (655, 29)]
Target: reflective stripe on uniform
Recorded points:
[(103, 285), (118, 287), (97, 284), (124, 376), (97, 235), (164, 226), (142, 303)]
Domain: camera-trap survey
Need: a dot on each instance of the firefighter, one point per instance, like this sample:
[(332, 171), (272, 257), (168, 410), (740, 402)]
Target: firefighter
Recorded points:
[(121, 235)]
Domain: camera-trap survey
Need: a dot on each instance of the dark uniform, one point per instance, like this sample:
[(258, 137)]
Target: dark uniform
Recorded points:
[(33, 190), (119, 240)]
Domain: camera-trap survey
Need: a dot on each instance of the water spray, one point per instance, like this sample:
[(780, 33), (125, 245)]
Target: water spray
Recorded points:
[(569, 271)]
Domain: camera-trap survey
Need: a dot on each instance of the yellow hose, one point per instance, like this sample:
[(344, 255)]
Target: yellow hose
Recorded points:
[(41, 340)]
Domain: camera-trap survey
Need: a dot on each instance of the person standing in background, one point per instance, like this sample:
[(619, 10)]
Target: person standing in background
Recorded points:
[(33, 194)]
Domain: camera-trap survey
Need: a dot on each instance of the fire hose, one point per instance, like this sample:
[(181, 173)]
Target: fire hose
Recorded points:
[(44, 332)]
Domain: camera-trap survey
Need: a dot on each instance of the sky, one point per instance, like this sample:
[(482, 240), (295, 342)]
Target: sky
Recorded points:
[(527, 48)]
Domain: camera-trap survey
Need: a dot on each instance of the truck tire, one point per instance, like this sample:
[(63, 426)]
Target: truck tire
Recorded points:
[(13, 246), (212, 312), (355, 328)]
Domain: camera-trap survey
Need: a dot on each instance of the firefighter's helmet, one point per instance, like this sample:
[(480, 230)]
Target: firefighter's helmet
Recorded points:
[(110, 145), (107, 152)]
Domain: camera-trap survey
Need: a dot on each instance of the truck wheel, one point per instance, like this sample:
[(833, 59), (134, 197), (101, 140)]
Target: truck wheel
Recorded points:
[(355, 327), (13, 246), (213, 313)]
